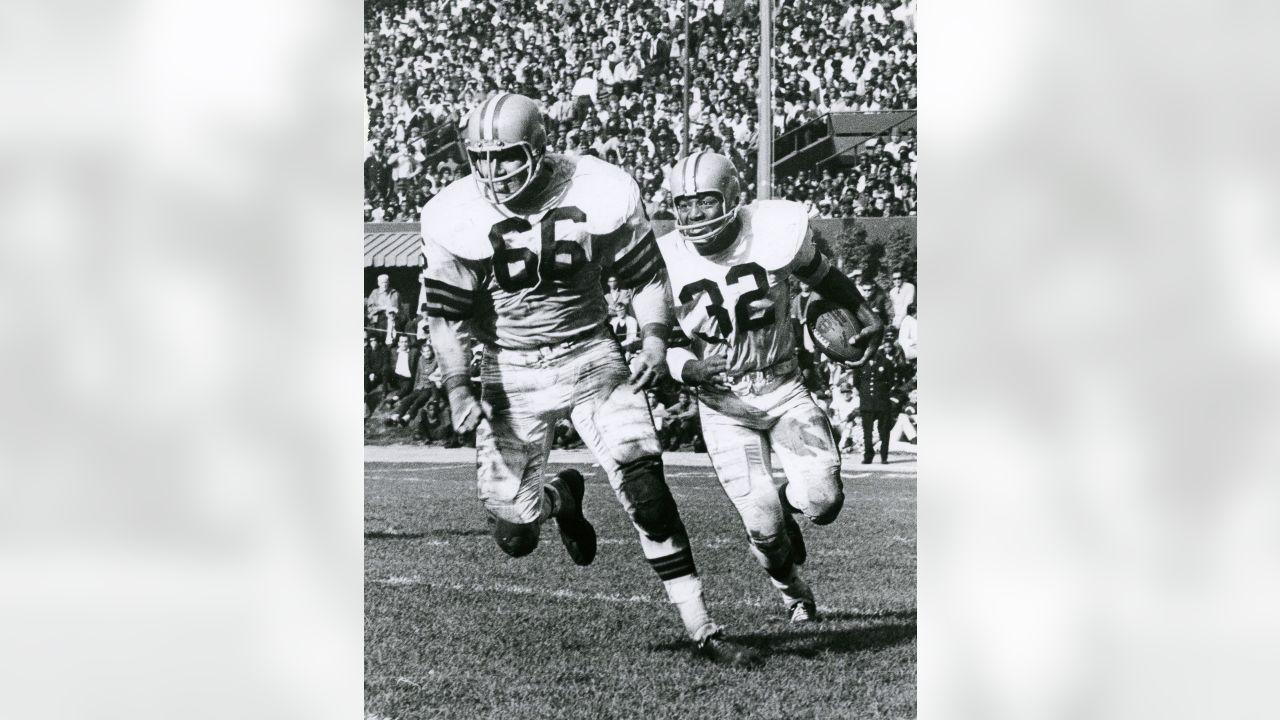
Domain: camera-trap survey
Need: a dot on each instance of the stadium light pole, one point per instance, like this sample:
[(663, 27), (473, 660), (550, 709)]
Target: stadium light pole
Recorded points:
[(764, 161), (684, 138)]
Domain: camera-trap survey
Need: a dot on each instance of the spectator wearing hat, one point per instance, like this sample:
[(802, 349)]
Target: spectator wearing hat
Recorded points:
[(877, 380)]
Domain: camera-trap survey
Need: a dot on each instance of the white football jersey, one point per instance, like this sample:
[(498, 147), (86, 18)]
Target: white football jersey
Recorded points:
[(526, 281), (737, 303)]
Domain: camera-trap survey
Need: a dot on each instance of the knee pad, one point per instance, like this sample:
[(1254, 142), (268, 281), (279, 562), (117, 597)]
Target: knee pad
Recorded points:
[(515, 539), (653, 508), (826, 512)]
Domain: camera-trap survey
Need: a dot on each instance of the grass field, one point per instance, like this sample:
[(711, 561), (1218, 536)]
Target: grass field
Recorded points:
[(456, 629)]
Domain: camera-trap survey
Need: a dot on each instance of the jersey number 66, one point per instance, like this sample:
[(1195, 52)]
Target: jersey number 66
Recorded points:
[(517, 268)]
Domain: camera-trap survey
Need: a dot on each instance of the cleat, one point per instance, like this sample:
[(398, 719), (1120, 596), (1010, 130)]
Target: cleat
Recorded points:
[(722, 652), (804, 612), (798, 551), (578, 536)]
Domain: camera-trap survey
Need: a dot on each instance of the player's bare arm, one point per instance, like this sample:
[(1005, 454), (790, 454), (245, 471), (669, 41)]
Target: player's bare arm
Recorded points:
[(453, 360), (827, 280), (652, 306)]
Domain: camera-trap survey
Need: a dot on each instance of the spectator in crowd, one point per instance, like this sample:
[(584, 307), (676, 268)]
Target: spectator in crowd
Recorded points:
[(626, 329), (377, 360), (875, 297), (907, 334), (617, 296), (901, 295), (403, 365), (426, 387), (436, 426), (566, 436), (877, 381), (429, 60), (844, 409), (421, 330), (388, 323), (384, 298), (682, 426)]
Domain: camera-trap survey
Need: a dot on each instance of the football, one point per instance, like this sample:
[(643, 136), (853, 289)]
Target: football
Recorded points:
[(831, 326)]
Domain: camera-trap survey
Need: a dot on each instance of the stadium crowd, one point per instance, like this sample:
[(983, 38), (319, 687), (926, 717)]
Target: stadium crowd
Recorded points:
[(609, 78), (403, 384)]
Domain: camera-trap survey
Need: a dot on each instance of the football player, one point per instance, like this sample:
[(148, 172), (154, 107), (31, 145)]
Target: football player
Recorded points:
[(731, 268), (515, 253)]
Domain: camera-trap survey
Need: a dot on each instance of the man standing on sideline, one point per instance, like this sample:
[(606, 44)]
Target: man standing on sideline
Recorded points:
[(877, 380), (901, 295), (515, 255), (731, 269)]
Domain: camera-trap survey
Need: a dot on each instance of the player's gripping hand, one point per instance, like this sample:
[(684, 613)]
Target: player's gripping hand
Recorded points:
[(709, 373), (650, 364), (870, 334), (466, 409)]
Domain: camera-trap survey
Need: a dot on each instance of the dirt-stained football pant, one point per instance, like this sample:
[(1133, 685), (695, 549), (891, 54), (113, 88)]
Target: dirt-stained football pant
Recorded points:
[(741, 427), (586, 381)]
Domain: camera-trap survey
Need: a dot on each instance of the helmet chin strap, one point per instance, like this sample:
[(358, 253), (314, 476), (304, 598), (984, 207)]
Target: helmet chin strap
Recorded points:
[(718, 223)]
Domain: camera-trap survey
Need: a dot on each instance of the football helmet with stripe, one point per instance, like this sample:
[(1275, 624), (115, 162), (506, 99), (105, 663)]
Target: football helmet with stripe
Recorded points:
[(698, 220), (505, 142)]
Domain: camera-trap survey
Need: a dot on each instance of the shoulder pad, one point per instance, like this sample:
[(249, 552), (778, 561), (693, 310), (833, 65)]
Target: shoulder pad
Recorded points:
[(606, 193), (778, 228), (450, 220)]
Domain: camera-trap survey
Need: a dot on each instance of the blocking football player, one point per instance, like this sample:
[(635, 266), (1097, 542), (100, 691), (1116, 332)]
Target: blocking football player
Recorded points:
[(515, 256), (731, 267)]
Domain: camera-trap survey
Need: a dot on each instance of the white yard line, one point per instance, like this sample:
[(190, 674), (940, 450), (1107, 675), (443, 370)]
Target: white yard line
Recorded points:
[(511, 589)]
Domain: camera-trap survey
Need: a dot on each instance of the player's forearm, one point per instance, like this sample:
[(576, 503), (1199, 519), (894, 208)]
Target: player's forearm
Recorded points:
[(652, 307), (452, 354), (839, 289)]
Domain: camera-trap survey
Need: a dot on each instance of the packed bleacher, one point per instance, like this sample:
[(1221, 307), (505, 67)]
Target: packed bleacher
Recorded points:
[(609, 77)]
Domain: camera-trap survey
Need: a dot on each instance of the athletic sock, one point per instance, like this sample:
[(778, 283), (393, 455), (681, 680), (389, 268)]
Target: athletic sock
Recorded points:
[(684, 589), (793, 589)]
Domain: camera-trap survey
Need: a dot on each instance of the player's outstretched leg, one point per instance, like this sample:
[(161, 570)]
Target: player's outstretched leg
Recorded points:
[(740, 456), (619, 430), (578, 536), (646, 497)]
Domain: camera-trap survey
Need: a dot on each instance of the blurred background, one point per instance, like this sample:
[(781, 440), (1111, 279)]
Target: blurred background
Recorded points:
[(181, 199)]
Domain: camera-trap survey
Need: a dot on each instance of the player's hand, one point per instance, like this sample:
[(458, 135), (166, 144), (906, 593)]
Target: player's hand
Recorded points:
[(649, 365), (872, 330), (465, 408), (705, 373)]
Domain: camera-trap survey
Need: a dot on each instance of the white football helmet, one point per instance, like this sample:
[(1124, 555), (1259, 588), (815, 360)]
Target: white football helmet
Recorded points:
[(498, 126), (704, 172)]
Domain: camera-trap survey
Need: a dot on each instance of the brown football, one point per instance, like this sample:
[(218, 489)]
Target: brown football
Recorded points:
[(831, 326)]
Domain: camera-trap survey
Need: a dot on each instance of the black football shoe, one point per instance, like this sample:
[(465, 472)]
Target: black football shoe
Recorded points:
[(804, 612), (578, 536), (722, 652)]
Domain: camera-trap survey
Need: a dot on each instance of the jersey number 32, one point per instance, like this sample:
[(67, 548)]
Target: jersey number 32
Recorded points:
[(716, 310)]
